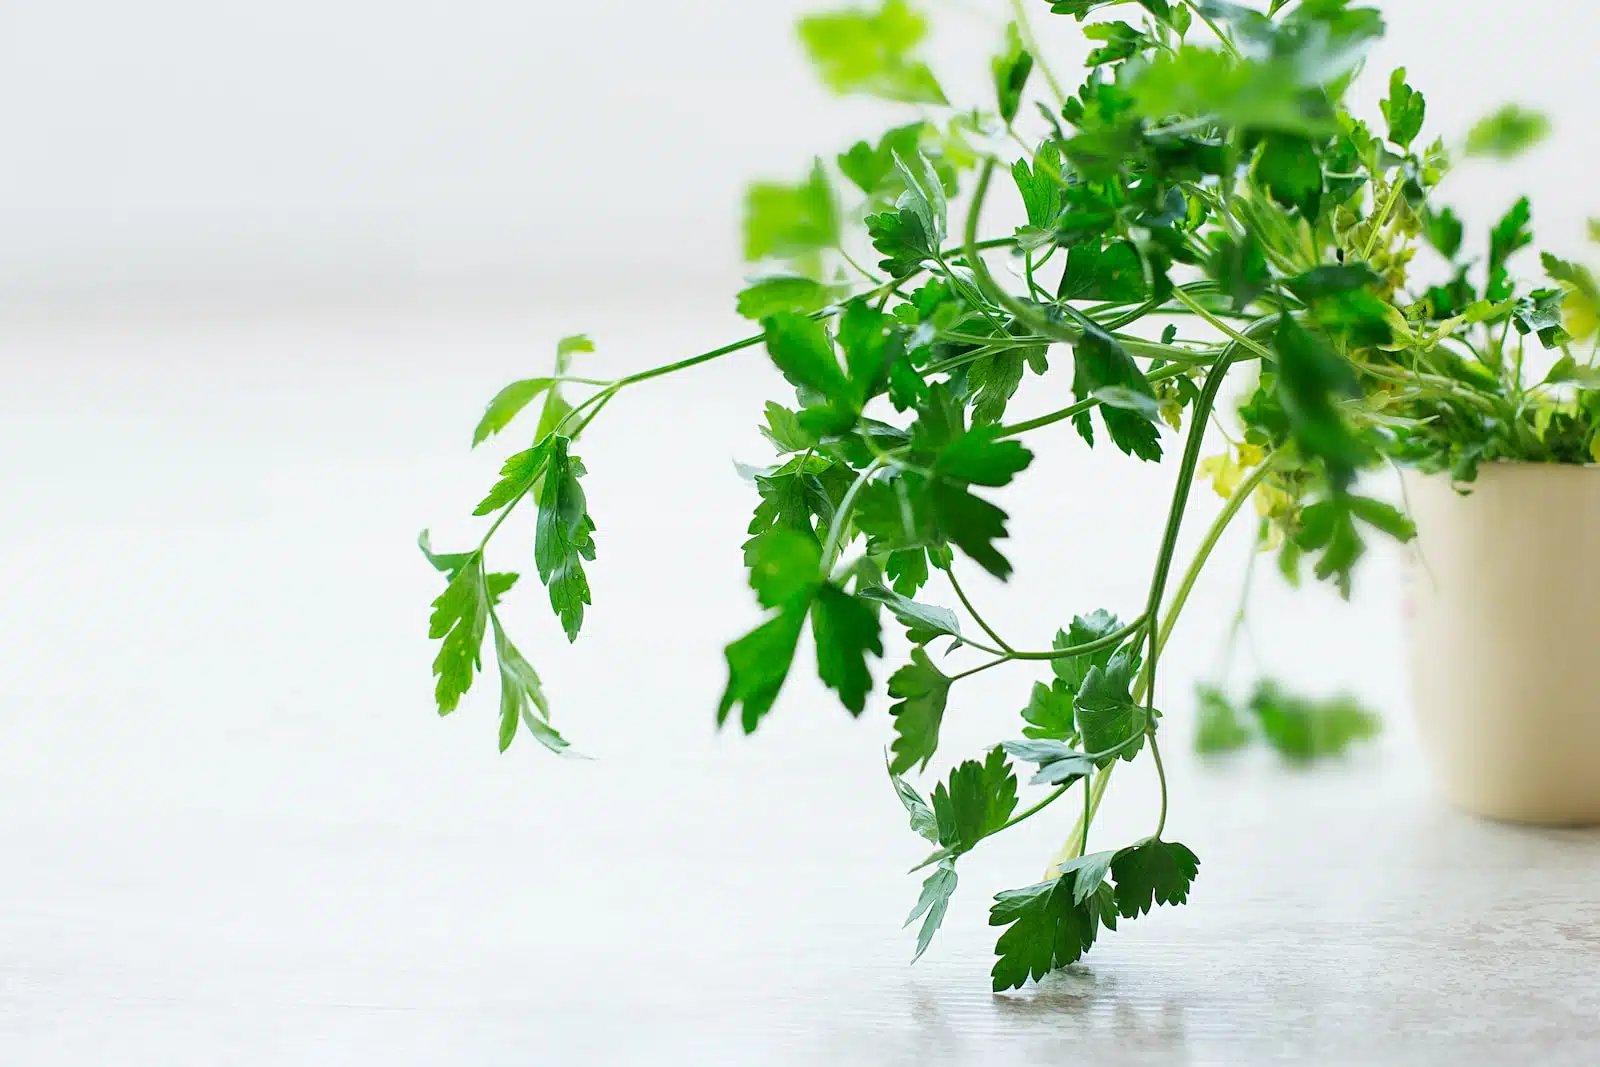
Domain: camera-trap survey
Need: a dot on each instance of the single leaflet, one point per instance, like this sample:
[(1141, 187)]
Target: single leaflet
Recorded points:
[(1205, 175)]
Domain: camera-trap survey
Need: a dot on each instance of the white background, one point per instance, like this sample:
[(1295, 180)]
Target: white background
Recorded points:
[(544, 148)]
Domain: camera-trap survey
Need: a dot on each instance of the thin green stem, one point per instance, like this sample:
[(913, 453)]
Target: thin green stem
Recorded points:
[(980, 668), (1227, 42), (1088, 647), (1208, 543), (1088, 817), (841, 515), (1248, 342), (1161, 773), (1006, 649), (1377, 223), (1087, 404)]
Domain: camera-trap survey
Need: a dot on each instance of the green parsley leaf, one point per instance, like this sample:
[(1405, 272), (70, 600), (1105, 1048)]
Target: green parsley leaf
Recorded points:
[(1507, 133), (1059, 763), (1120, 42), (980, 457), (1047, 930), (900, 238), (922, 690), (1040, 185), (1049, 712), (1290, 171), (758, 663), (846, 630), (976, 802), (801, 348), (1403, 110), (863, 51), (924, 195), (1509, 235), (1084, 629), (507, 405), (1443, 229), (564, 536), (459, 621), (1302, 730), (1106, 713), (1100, 363), (1011, 71), (792, 293), (1311, 377), (993, 381), (922, 817), (872, 168), (783, 566), (522, 698), (937, 890), (970, 523), (518, 476), (783, 429), (790, 221), (1219, 728), (1152, 872), (923, 622)]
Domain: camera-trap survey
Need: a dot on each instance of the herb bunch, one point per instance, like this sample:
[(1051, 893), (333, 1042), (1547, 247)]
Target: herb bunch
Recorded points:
[(1206, 175)]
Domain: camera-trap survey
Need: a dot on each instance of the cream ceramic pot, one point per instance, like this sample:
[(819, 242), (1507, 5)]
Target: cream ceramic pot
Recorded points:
[(1505, 639)]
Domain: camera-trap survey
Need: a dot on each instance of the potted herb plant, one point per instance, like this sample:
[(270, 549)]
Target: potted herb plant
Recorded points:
[(1200, 208)]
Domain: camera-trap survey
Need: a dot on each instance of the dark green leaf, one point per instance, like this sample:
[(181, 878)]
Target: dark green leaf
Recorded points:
[(1049, 712), (1152, 872), (924, 196), (979, 457), (1099, 361), (901, 239), (1047, 930), (520, 474), (971, 523), (758, 663), (783, 566), (1509, 235), (1085, 629), (784, 431), (1011, 72), (460, 618), (1311, 379), (976, 802), (846, 630), (801, 348), (1040, 185), (1288, 169), (1331, 280), (1444, 230), (922, 691), (1106, 713), (564, 537), (993, 381)]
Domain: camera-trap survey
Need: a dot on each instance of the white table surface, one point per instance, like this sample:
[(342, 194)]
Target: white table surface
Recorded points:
[(232, 830)]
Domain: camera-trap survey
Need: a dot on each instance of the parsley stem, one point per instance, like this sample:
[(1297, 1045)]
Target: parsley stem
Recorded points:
[(692, 361), (980, 668), (1088, 817), (1161, 773), (1248, 342), (950, 573), (1227, 42), (1097, 645), (841, 515), (1377, 223), (1087, 404)]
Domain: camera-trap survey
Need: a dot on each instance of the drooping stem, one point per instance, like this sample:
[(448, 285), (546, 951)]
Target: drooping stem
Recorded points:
[(950, 573), (1161, 773), (841, 514)]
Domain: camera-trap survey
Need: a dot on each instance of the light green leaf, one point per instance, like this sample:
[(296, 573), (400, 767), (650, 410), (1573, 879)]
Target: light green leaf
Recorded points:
[(923, 691), (863, 51), (1507, 133), (564, 537)]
